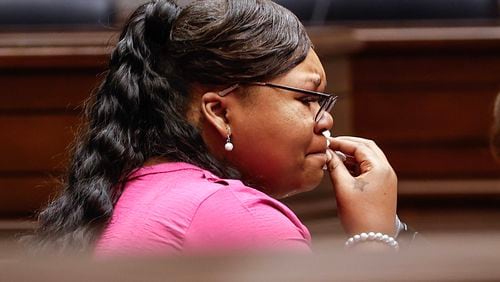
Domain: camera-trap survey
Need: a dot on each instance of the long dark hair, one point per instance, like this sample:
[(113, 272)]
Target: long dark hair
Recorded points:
[(138, 112)]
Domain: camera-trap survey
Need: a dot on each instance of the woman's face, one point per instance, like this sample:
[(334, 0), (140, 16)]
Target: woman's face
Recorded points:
[(278, 147)]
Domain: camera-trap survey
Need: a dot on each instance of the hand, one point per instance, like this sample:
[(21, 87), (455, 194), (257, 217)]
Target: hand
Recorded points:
[(365, 201)]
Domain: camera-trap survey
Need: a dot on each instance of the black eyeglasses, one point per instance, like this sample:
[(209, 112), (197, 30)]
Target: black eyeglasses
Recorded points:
[(326, 101)]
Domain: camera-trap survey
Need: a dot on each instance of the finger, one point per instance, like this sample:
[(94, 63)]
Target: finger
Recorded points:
[(349, 162), (347, 159), (341, 155), (337, 169), (367, 142), (364, 155)]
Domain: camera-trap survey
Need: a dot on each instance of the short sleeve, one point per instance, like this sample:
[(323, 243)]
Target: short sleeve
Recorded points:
[(243, 218)]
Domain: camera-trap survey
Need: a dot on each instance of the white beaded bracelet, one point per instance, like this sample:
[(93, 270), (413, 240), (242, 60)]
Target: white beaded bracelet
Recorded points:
[(372, 236)]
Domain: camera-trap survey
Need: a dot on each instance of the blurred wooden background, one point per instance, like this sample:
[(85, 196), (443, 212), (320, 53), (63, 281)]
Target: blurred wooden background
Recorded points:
[(424, 94), (448, 258)]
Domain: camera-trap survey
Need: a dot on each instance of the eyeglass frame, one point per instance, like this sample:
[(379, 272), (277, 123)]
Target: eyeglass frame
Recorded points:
[(325, 106)]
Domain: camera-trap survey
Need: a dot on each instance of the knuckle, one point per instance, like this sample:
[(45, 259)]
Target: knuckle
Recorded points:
[(371, 142), (365, 145), (391, 175)]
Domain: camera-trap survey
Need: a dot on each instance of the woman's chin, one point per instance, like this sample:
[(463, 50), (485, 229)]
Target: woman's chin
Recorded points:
[(313, 178)]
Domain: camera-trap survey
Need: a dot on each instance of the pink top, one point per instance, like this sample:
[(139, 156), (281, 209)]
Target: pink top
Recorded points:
[(178, 207)]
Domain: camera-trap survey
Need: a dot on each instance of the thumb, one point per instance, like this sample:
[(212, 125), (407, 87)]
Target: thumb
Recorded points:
[(338, 171)]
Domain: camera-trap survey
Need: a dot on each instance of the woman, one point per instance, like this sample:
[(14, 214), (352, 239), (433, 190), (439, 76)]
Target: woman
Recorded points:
[(208, 113)]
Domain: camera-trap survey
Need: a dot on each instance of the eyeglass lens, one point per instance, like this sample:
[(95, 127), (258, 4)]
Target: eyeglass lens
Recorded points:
[(325, 107)]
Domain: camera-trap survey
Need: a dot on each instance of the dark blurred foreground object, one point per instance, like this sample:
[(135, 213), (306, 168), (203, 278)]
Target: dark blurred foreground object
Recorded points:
[(447, 257), (15, 13), (320, 11)]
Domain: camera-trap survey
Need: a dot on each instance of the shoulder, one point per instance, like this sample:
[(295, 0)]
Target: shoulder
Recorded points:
[(254, 202), (167, 182), (238, 215)]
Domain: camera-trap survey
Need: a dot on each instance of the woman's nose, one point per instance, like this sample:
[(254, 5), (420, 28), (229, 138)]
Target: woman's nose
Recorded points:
[(324, 123)]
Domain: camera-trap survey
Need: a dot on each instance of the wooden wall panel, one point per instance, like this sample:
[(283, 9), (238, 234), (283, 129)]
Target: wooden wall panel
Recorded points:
[(427, 66), (25, 194), (45, 79), (462, 161), (46, 89), (36, 142), (416, 115), (428, 101)]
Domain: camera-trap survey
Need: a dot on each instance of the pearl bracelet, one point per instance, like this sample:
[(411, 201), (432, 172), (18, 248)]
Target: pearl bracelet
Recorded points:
[(372, 236)]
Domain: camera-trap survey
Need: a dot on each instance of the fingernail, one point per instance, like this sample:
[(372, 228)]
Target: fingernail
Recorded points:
[(341, 155), (329, 156)]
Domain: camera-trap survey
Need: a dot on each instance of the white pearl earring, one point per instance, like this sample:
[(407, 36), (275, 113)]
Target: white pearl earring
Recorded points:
[(228, 146)]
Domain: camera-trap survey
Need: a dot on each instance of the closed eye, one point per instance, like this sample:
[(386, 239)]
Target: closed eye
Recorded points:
[(308, 99)]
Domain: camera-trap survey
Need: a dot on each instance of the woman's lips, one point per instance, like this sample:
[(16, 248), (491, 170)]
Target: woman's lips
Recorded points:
[(323, 154), (317, 153), (319, 148)]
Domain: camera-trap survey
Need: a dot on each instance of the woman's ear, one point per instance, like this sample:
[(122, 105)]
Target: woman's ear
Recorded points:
[(214, 111)]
